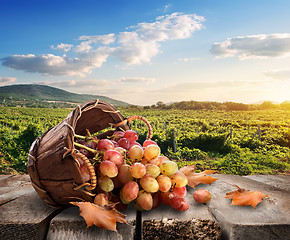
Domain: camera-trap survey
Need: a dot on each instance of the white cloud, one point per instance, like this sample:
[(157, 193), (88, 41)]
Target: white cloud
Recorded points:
[(283, 74), (142, 44), (254, 46), (86, 45), (7, 80), (83, 47), (63, 47), (134, 47), (137, 80), (133, 50), (101, 39), (49, 64)]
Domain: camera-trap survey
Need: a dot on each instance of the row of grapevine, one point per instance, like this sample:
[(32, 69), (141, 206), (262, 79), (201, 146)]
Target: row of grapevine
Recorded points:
[(258, 141)]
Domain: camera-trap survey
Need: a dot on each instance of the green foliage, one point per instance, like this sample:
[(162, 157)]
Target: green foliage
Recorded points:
[(226, 141), (187, 154)]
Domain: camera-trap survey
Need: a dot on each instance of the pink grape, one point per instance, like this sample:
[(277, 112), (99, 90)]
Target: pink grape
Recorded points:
[(184, 206), (122, 197), (85, 173), (137, 170), (149, 184), (105, 144), (135, 153), (166, 197), (124, 175), (130, 191), (101, 199), (148, 142), (151, 152), (108, 168), (180, 191), (178, 179), (179, 203), (202, 196), (145, 200), (117, 135), (131, 135), (124, 143), (113, 156), (164, 183)]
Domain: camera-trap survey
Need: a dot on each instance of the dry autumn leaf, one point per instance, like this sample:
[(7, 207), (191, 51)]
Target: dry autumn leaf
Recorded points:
[(243, 197), (104, 217), (197, 178)]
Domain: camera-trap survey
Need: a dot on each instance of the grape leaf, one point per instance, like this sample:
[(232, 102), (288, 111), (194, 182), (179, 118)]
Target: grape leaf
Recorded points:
[(197, 178), (104, 217), (243, 197)]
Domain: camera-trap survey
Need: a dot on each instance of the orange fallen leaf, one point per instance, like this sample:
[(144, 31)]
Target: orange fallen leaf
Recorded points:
[(197, 178), (243, 197), (104, 217)]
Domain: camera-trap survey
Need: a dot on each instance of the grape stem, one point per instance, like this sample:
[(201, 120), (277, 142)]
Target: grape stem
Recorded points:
[(87, 137), (80, 136), (85, 147)]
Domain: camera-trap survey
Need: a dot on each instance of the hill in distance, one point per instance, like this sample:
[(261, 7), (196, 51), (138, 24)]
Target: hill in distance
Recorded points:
[(27, 94)]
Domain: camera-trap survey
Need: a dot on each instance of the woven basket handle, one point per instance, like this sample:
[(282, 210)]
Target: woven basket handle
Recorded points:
[(136, 117)]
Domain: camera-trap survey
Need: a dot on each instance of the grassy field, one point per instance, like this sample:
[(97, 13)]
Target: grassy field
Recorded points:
[(232, 142)]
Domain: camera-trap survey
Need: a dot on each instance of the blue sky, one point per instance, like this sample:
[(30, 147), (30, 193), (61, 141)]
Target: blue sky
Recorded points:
[(148, 51)]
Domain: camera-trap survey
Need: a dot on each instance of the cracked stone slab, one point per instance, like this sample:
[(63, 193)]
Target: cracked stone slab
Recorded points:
[(270, 219), (279, 181), (70, 225), (25, 217), (14, 186), (166, 223)]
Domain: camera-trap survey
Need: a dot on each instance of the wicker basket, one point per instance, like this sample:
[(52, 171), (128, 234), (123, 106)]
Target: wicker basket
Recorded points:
[(52, 165)]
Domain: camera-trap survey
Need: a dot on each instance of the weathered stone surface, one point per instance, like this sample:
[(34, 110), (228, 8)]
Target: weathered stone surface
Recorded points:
[(279, 181), (25, 217), (14, 186), (69, 225), (270, 219)]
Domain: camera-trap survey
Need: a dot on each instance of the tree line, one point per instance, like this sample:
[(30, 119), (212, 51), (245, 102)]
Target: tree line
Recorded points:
[(226, 106)]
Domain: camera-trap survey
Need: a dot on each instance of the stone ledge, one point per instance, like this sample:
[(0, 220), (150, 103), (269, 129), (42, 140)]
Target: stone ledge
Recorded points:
[(270, 219), (23, 215), (69, 225)]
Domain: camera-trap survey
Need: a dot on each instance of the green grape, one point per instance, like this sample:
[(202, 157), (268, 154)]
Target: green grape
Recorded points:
[(168, 168)]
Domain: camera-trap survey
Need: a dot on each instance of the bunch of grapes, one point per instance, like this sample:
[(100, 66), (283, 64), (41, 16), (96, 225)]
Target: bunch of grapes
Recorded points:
[(130, 172)]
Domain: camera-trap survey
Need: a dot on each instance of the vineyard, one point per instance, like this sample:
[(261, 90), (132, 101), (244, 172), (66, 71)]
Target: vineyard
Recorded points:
[(231, 142)]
